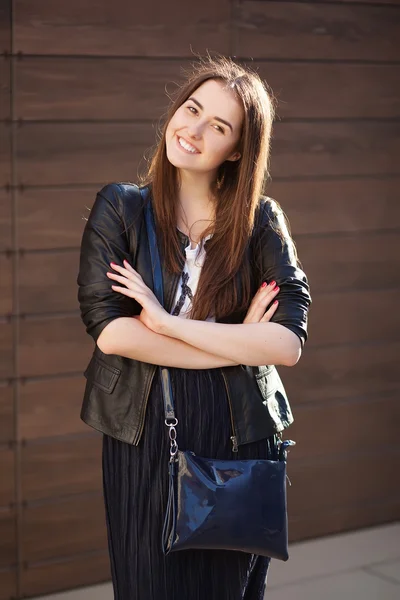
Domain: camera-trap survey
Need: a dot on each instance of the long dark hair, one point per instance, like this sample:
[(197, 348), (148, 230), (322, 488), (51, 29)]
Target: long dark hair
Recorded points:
[(237, 188)]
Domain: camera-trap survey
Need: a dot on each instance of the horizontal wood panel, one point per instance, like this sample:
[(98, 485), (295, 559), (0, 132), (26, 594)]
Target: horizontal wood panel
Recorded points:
[(63, 528), (77, 153), (76, 571), (47, 282), (143, 29), (315, 30), (315, 523), (54, 345), (8, 554), (350, 261), (6, 289), (332, 90), (5, 154), (61, 467), (8, 584), (7, 492), (343, 206), (6, 349), (51, 407), (341, 148), (352, 317), (5, 83), (6, 412), (136, 88), (5, 33), (5, 220), (348, 371), (355, 422), (330, 484), (51, 218)]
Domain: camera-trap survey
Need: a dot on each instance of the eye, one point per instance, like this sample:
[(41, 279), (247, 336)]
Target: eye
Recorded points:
[(220, 128), (193, 108)]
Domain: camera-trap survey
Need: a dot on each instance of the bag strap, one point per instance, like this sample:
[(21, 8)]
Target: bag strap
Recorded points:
[(169, 409)]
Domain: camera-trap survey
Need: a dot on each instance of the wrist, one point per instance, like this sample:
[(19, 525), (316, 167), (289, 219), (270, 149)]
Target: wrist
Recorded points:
[(168, 326)]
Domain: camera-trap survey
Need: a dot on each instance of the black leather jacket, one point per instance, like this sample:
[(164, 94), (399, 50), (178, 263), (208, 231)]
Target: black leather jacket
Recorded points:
[(117, 388)]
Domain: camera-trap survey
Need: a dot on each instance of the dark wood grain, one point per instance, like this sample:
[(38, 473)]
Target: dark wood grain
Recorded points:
[(7, 492), (6, 349), (5, 84), (357, 262), (142, 29), (49, 218), (314, 524), (357, 422), (5, 219), (60, 467), (5, 27), (343, 372), (314, 30), (329, 483), (47, 282), (8, 584), (7, 429), (332, 90), (8, 546), (72, 572), (137, 88), (6, 288), (51, 407), (54, 345), (64, 527), (65, 153), (352, 205), (351, 317), (5, 154), (341, 148)]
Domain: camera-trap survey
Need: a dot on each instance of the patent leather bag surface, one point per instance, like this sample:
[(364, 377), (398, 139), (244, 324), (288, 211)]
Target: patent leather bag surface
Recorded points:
[(219, 504)]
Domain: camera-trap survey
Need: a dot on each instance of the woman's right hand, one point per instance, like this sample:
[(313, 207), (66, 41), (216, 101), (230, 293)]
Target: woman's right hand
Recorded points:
[(264, 296)]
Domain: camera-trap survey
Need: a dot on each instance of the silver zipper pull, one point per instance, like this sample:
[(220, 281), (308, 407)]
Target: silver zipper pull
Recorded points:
[(234, 443)]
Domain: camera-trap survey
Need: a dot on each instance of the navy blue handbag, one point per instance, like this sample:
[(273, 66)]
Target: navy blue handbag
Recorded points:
[(219, 504)]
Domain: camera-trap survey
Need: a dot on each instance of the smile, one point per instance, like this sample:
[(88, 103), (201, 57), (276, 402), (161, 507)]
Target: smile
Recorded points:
[(184, 145)]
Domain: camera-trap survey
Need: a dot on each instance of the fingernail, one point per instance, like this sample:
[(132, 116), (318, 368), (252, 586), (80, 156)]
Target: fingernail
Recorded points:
[(113, 264), (275, 302), (276, 289), (272, 283), (264, 285)]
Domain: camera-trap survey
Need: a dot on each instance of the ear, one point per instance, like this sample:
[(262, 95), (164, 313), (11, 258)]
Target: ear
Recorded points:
[(234, 156)]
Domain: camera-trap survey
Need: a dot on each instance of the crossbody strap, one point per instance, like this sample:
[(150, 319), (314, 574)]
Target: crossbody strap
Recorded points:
[(170, 419)]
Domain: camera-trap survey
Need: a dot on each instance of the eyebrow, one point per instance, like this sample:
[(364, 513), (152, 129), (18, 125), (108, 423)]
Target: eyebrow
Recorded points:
[(216, 118)]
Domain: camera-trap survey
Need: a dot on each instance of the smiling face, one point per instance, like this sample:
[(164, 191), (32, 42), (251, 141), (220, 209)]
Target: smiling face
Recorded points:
[(205, 130)]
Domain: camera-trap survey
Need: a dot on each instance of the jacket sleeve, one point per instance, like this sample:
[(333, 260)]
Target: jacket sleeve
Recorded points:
[(103, 241), (279, 262)]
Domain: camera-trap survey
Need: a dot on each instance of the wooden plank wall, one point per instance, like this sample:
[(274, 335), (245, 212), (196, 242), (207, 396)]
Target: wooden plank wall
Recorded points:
[(81, 89)]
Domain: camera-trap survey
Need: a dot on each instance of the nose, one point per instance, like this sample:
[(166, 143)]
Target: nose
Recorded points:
[(194, 130)]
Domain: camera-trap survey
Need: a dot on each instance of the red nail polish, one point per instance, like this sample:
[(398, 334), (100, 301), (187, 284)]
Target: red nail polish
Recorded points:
[(276, 302), (272, 283), (264, 285)]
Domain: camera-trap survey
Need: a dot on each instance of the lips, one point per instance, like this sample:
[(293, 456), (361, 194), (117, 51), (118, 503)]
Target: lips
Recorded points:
[(184, 149)]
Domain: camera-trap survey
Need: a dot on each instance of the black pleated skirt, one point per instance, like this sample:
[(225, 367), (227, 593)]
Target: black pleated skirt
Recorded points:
[(135, 482)]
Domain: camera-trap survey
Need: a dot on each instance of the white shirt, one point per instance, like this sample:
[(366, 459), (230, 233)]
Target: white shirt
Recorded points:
[(189, 280)]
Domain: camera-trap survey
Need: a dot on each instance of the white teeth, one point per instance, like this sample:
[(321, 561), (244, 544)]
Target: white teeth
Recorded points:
[(186, 145)]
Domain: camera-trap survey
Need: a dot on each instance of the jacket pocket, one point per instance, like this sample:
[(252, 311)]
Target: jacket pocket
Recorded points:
[(102, 375)]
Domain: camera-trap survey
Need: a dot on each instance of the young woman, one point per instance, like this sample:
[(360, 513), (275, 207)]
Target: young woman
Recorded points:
[(235, 298)]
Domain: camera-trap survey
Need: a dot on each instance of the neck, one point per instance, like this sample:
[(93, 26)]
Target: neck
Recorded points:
[(196, 205)]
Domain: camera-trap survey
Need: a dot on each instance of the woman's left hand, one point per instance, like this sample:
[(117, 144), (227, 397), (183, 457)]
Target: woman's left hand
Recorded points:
[(153, 314)]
